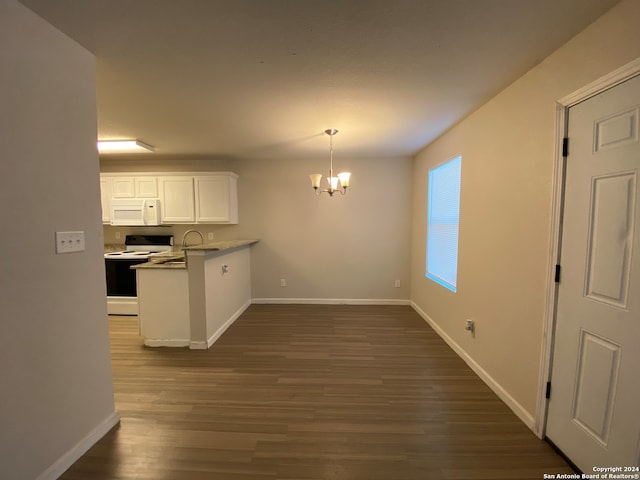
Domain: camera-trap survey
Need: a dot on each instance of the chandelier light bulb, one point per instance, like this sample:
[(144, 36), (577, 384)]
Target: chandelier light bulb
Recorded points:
[(315, 180), (344, 179)]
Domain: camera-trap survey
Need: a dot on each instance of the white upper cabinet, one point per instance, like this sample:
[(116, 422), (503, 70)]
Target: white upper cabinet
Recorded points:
[(134, 187), (123, 187), (184, 197), (146, 187), (216, 198), (176, 199), (105, 198)]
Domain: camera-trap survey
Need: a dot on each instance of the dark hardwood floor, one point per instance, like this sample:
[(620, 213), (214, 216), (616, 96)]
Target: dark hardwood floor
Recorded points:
[(308, 393)]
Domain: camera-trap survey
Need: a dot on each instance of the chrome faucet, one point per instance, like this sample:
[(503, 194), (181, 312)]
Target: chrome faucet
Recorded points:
[(184, 237)]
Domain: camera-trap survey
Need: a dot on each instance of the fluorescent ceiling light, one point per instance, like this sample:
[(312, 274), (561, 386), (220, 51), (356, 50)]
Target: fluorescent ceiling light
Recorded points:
[(124, 146)]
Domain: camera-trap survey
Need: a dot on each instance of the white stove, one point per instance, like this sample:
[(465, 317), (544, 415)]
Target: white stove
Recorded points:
[(122, 290)]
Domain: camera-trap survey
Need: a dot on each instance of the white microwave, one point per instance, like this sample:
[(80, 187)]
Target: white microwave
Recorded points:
[(132, 212)]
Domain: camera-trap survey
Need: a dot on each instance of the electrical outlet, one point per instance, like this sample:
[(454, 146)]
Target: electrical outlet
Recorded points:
[(117, 235), (210, 236), (69, 242), (469, 325), (283, 282), (397, 283)]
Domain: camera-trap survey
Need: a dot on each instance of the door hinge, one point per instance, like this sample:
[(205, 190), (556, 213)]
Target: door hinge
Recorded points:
[(557, 278), (565, 147), (548, 392)]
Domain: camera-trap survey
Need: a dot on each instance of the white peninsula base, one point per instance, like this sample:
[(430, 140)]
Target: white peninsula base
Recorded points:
[(163, 307), (194, 303)]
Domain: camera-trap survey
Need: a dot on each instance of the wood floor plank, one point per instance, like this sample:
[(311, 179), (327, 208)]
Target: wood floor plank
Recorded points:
[(309, 392)]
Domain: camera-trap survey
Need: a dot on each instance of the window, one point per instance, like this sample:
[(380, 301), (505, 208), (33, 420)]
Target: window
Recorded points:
[(443, 215)]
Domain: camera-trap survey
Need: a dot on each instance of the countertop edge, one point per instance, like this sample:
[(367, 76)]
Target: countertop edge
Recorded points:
[(164, 261), (221, 245)]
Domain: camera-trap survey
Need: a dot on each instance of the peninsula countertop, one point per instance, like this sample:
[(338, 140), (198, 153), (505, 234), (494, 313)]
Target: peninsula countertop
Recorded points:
[(177, 259), (222, 245)]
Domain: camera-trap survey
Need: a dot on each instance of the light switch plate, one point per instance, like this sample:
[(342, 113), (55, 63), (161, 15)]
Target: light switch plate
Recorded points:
[(69, 242)]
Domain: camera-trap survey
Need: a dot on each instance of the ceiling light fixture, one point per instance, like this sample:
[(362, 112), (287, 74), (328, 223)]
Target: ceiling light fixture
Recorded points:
[(124, 146), (342, 179)]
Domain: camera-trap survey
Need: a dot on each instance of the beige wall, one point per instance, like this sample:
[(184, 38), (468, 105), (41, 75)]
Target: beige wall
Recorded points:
[(347, 247), (153, 162), (55, 373), (508, 149)]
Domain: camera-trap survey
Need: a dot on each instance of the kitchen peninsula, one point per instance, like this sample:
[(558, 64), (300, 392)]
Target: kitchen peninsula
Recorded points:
[(189, 298)]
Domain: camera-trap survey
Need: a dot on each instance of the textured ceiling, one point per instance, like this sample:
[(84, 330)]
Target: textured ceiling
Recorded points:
[(265, 78)]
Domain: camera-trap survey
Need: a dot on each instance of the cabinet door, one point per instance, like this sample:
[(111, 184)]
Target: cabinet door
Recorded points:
[(105, 197), (123, 187), (146, 187), (176, 200), (214, 202)]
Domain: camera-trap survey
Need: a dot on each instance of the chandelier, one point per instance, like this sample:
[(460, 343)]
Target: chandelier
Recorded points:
[(336, 184)]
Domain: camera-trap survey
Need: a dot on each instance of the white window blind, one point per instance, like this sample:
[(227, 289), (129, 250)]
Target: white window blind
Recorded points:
[(443, 216)]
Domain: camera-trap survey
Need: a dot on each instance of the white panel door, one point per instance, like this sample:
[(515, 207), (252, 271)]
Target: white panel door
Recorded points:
[(594, 406)]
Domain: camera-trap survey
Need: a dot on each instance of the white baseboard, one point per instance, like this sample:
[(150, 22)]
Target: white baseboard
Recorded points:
[(122, 305), (518, 409), (218, 333), (168, 342), (331, 301), (69, 458)]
